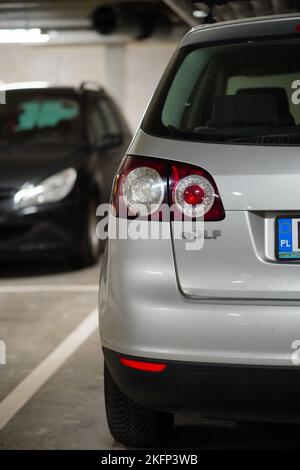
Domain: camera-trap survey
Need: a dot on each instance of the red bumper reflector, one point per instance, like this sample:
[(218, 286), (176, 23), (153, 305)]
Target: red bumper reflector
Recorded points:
[(140, 365)]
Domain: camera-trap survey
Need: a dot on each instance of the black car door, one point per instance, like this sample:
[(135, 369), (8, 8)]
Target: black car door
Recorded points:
[(108, 139)]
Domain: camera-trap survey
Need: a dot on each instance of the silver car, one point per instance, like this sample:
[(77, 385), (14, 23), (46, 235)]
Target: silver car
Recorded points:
[(206, 319)]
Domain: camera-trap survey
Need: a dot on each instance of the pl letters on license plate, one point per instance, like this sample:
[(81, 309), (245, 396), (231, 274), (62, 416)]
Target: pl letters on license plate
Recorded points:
[(288, 238)]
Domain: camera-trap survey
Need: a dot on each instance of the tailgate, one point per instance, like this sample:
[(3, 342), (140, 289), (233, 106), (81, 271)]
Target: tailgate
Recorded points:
[(256, 184)]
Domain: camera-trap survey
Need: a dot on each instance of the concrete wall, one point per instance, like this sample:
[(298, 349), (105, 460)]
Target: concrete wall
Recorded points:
[(143, 65)]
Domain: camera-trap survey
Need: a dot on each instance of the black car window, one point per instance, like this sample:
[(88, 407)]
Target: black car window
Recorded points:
[(112, 123), (40, 117), (97, 128)]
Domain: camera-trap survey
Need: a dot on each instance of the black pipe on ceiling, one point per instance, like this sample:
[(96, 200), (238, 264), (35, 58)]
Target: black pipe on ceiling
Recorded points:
[(136, 20)]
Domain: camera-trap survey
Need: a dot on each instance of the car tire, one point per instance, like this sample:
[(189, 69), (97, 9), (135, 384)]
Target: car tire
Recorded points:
[(92, 246), (132, 424)]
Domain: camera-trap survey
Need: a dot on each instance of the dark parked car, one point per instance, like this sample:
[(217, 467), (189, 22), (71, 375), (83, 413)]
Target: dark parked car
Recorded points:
[(59, 150)]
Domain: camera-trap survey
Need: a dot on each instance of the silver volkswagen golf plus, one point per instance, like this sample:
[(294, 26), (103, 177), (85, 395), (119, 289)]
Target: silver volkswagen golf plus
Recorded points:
[(206, 320)]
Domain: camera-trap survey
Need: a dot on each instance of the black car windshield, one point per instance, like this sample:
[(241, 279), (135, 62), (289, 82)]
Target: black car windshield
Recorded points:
[(235, 93), (39, 117)]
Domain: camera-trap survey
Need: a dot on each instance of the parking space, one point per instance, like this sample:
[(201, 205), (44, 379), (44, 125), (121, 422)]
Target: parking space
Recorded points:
[(40, 308)]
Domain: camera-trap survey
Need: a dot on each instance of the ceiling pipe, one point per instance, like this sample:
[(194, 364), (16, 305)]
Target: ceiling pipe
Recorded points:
[(136, 20)]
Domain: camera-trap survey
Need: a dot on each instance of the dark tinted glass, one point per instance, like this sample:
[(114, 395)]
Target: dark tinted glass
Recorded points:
[(96, 124), (36, 116), (234, 93), (113, 126)]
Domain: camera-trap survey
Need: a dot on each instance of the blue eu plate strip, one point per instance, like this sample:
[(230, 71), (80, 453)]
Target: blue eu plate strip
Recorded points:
[(288, 231)]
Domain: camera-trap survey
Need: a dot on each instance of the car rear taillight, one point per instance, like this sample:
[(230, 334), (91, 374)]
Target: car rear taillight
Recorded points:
[(143, 184), (194, 192), (140, 187)]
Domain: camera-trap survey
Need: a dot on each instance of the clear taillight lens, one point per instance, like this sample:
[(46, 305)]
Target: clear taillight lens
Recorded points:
[(140, 188), (143, 190)]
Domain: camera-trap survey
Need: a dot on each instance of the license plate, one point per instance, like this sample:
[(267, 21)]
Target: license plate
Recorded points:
[(287, 237)]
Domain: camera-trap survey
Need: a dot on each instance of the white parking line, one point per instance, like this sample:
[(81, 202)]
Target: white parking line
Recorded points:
[(39, 376), (21, 289)]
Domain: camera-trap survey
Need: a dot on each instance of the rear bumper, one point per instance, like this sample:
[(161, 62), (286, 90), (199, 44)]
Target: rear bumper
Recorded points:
[(212, 390), (143, 313)]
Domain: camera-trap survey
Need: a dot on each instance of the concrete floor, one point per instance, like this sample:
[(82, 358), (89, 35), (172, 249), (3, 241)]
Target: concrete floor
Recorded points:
[(67, 412)]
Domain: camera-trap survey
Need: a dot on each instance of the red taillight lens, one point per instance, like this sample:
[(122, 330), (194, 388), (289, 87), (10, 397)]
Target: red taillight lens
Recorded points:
[(143, 365), (143, 184), (194, 192)]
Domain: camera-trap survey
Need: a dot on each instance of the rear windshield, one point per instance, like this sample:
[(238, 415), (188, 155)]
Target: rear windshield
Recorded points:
[(234, 93), (36, 116)]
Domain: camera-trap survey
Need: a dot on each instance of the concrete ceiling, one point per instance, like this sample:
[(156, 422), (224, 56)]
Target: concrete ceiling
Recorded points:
[(71, 20), (76, 13), (56, 14), (74, 16), (241, 9)]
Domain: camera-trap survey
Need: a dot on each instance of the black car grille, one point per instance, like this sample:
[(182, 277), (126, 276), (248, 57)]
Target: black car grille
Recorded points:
[(6, 194), (12, 232)]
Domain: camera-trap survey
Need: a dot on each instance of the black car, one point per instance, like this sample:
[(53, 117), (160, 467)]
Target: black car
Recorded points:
[(59, 150)]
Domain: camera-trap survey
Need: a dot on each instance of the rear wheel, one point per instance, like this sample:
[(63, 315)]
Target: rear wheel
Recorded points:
[(133, 424)]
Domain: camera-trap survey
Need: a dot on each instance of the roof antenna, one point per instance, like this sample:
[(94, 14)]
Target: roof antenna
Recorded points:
[(210, 17)]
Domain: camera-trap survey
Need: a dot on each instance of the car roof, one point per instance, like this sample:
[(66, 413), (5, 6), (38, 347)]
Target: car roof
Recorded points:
[(46, 88), (247, 28)]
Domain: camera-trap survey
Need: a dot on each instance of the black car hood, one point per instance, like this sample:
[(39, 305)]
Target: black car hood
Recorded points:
[(20, 164)]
